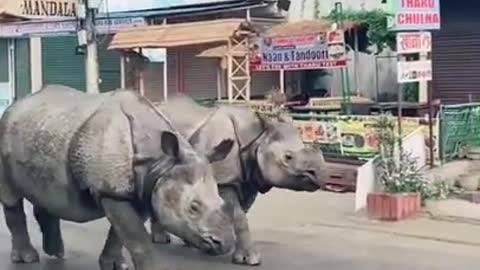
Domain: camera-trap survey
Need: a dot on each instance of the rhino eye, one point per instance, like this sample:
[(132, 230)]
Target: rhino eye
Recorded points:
[(195, 207), (288, 156)]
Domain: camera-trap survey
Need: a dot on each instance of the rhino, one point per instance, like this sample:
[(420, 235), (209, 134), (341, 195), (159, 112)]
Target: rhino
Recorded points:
[(267, 153), (80, 157)]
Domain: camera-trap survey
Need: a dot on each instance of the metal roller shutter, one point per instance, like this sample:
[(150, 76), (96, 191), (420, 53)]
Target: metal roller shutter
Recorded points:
[(456, 65), (456, 53), (60, 64), (23, 86), (109, 66), (3, 60), (200, 74), (153, 77)]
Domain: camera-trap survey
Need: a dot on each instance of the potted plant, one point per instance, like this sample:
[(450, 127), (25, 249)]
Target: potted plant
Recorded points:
[(401, 180)]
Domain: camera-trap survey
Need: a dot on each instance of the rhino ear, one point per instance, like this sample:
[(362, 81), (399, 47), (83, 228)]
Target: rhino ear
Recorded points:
[(170, 144), (220, 151)]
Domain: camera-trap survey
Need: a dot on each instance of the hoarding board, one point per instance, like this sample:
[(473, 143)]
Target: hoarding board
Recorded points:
[(317, 51), (415, 14), (414, 71), (414, 42)]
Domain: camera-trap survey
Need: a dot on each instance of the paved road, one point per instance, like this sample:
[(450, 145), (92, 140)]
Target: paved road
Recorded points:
[(308, 247)]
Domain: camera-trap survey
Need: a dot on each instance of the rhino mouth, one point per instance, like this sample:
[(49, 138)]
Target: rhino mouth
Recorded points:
[(310, 180)]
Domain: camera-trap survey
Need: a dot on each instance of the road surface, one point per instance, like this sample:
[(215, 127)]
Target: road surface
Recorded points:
[(303, 247)]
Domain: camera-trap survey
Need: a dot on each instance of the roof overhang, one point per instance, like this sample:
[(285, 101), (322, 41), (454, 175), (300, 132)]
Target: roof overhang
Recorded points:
[(181, 34)]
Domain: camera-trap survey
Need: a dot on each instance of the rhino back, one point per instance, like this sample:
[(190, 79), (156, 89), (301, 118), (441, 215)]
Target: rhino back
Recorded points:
[(36, 133), (108, 153)]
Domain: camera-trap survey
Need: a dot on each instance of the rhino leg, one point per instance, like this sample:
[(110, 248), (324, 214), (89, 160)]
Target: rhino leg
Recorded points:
[(22, 249), (159, 235), (245, 251), (51, 232), (112, 257), (130, 228)]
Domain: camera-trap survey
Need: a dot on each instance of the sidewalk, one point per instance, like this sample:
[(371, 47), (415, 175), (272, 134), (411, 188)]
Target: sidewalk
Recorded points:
[(294, 211)]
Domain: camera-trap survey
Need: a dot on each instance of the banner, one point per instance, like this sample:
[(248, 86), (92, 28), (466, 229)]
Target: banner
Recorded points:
[(40, 9), (414, 42), (319, 51), (415, 14), (414, 71)]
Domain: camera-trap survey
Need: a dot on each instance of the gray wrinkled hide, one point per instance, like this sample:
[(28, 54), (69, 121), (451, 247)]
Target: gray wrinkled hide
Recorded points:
[(208, 126), (42, 157)]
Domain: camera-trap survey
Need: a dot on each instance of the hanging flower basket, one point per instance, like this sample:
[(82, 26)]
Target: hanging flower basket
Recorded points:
[(393, 206)]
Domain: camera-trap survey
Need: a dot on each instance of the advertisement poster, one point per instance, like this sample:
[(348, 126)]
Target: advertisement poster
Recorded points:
[(319, 51), (415, 14), (356, 136), (414, 71), (414, 42)]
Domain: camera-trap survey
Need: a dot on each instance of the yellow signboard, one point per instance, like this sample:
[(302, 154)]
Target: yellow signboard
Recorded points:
[(39, 9)]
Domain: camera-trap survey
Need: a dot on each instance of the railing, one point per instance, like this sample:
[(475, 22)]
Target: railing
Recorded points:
[(459, 130)]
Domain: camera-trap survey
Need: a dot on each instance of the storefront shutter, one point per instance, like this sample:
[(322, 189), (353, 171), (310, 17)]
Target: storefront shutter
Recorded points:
[(456, 53), (3, 60), (61, 65), (200, 74), (23, 85)]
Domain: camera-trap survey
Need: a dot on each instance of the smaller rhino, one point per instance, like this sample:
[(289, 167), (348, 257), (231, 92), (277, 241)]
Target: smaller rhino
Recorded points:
[(267, 153), (81, 157)]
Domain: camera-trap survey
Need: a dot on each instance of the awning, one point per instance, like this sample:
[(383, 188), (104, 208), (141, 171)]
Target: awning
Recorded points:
[(181, 34)]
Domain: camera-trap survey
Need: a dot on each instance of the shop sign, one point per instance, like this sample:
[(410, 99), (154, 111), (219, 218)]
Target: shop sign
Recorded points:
[(414, 42), (415, 14), (414, 71), (56, 28), (319, 51), (48, 8)]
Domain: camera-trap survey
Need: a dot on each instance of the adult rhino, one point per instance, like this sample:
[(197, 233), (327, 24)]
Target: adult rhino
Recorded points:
[(81, 157), (266, 154)]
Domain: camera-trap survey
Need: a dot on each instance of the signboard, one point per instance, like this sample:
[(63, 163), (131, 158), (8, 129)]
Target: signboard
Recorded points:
[(415, 14), (414, 71), (415, 42), (40, 9), (56, 28), (318, 51)]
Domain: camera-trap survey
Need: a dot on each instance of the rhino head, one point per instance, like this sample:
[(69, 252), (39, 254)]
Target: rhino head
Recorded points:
[(185, 197), (286, 162)]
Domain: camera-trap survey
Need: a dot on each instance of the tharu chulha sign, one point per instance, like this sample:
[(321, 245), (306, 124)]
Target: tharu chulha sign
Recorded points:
[(415, 14)]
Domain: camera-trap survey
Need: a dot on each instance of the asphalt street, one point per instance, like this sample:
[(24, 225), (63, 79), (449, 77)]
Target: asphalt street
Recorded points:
[(307, 247)]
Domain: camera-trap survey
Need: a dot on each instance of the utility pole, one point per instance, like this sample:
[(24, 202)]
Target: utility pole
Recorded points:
[(87, 38)]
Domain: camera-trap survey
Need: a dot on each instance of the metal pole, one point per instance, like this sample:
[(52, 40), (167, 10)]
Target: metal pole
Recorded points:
[(399, 119), (122, 72), (356, 61), (91, 64), (165, 70), (430, 124), (282, 80)]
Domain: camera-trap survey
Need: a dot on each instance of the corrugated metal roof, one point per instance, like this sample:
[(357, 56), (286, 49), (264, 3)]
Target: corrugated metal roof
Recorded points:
[(181, 34)]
